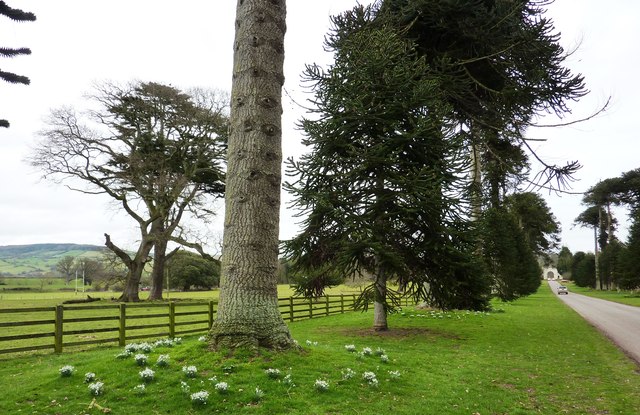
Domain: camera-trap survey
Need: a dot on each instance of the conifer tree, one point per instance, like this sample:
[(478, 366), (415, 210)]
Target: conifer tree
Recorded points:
[(16, 15), (381, 182)]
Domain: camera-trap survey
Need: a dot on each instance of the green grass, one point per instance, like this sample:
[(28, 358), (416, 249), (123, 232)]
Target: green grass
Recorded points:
[(535, 356), (623, 297)]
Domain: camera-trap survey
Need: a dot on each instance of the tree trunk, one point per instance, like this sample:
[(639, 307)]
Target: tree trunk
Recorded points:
[(134, 266), (159, 259), (379, 310), (248, 314), (132, 286)]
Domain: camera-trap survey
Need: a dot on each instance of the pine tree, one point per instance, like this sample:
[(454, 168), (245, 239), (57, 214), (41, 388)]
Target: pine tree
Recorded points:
[(7, 52)]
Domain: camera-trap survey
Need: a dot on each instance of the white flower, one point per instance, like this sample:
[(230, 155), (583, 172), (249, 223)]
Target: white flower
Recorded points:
[(384, 358), (394, 374), (140, 389), (379, 352), (200, 397), (366, 351), (350, 347), (96, 388), (348, 374), (259, 394), (202, 338), (141, 359), (184, 386), (370, 378), (163, 360), (273, 373), (123, 355), (222, 387), (145, 347), (287, 380), (163, 342), (130, 348), (147, 375), (177, 340), (66, 370), (190, 371), (321, 385), (213, 379), (89, 377)]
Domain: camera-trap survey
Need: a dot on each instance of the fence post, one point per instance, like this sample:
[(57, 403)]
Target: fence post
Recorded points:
[(57, 342), (172, 320), (122, 334), (310, 307), (290, 308), (342, 303), (353, 304), (210, 314), (327, 304)]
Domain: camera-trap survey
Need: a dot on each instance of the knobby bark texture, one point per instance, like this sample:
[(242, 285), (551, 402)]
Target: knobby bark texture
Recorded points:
[(248, 314)]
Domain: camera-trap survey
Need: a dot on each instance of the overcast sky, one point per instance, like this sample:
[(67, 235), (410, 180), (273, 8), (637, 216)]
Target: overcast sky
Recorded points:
[(188, 43)]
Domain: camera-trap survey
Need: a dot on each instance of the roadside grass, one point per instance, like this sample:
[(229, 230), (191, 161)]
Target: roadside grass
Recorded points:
[(533, 356), (622, 296)]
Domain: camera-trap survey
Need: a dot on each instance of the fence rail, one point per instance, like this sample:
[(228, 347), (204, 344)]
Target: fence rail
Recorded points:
[(62, 326)]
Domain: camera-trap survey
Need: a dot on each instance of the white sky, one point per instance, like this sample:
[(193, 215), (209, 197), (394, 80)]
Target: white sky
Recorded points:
[(188, 43)]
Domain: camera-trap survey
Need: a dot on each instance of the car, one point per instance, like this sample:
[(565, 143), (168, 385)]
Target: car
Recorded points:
[(563, 290)]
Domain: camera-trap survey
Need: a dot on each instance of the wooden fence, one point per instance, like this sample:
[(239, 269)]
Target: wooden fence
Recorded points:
[(61, 326)]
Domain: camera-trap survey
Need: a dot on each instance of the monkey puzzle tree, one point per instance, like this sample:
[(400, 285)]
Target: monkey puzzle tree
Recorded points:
[(248, 314), (154, 149), (16, 15), (380, 184)]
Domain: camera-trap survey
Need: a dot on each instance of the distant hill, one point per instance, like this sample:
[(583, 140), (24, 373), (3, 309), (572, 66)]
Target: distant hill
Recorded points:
[(39, 259)]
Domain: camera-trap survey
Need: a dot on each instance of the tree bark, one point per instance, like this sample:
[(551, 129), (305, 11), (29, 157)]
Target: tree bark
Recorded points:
[(248, 314), (379, 310), (134, 265)]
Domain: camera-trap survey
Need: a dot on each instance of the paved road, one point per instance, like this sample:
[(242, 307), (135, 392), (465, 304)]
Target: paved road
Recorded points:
[(619, 322)]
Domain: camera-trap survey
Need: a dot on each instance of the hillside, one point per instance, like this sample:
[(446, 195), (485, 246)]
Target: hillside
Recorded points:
[(38, 259)]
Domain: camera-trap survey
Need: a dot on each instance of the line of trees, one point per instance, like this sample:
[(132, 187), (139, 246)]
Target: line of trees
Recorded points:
[(418, 153), (614, 262), (417, 156)]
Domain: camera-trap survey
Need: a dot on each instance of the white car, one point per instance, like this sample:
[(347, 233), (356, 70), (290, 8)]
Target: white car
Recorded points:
[(563, 290)]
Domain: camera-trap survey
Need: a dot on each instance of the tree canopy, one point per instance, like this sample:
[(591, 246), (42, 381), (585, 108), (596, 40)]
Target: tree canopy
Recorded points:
[(157, 151)]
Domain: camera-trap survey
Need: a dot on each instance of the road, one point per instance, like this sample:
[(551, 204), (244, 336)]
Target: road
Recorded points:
[(619, 322)]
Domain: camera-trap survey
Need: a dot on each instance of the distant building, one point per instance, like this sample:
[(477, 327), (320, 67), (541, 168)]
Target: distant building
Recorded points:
[(550, 273)]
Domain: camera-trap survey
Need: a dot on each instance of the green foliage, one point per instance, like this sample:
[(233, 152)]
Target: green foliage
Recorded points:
[(381, 184), (611, 265), (540, 227), (583, 270), (508, 257), (565, 260), (630, 257), (187, 269)]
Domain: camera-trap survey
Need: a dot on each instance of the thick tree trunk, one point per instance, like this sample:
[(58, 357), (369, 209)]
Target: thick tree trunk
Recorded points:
[(134, 266), (248, 314), (159, 258)]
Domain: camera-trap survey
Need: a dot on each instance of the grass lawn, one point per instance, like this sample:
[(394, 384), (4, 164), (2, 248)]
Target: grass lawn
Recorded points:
[(534, 356), (623, 297)]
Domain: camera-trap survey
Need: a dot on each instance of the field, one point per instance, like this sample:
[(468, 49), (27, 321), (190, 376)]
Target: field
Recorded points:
[(533, 356)]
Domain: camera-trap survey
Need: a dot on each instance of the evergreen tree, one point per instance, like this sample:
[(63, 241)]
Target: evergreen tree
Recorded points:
[(583, 271), (16, 15), (508, 255), (380, 185), (565, 259)]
